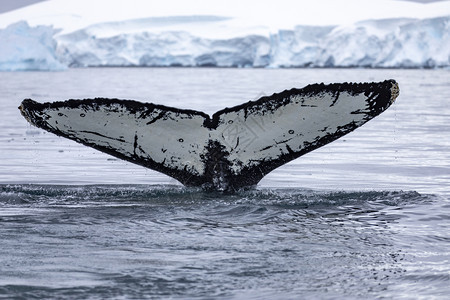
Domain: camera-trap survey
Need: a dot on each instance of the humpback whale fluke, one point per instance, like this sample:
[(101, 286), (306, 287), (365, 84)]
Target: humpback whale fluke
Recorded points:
[(235, 147)]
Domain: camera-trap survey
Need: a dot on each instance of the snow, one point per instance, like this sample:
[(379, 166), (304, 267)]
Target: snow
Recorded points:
[(285, 33)]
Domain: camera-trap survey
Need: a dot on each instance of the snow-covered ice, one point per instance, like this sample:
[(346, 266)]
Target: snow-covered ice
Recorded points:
[(234, 33), (28, 48)]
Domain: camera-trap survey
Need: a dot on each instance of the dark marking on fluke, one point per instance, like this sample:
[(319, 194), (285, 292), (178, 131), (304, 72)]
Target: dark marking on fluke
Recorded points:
[(199, 150)]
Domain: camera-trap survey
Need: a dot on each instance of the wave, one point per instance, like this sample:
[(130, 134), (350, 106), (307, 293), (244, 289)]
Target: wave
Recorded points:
[(175, 194)]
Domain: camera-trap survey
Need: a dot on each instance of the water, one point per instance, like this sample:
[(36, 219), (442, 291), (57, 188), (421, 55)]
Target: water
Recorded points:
[(364, 217)]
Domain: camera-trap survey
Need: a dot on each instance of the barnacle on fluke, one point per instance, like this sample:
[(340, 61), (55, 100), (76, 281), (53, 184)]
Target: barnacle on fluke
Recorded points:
[(235, 147)]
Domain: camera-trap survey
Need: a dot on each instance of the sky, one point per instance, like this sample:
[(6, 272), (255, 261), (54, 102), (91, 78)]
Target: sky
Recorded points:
[(8, 5)]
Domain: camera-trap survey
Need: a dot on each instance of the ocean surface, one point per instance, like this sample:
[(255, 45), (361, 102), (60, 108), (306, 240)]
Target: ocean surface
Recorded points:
[(367, 216)]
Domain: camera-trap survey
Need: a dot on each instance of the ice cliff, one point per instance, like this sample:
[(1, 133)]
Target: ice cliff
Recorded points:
[(402, 43), (24, 48)]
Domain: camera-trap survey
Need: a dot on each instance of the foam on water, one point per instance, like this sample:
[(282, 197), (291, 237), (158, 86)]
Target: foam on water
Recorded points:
[(175, 195)]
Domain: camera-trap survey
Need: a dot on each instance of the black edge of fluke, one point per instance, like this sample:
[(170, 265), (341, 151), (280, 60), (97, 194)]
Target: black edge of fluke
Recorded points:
[(380, 96), (28, 108)]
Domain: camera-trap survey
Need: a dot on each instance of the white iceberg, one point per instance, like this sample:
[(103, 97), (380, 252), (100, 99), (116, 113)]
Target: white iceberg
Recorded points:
[(392, 43), (382, 43), (227, 34), (24, 48)]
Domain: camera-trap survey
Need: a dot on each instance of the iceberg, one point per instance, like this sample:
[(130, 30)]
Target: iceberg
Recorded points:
[(395, 43), (173, 48), (25, 48), (392, 43), (68, 34)]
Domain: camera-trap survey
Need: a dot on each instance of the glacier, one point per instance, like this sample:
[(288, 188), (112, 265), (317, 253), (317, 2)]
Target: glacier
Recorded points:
[(381, 43), (25, 48)]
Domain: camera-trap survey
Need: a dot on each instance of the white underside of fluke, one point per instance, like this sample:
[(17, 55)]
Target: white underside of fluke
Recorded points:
[(255, 137), (265, 135), (176, 140)]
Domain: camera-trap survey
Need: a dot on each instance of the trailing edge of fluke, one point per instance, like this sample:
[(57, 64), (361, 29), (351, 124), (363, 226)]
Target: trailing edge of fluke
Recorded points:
[(233, 148)]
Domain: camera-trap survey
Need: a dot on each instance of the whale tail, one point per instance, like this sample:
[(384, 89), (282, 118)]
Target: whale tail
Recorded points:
[(234, 147)]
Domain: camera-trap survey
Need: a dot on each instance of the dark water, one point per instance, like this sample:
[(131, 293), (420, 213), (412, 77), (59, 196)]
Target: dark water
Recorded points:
[(365, 217)]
